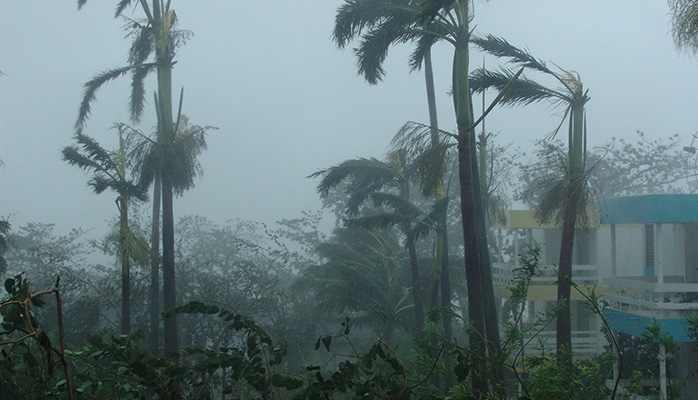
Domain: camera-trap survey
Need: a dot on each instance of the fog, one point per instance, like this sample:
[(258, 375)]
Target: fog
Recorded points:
[(287, 102)]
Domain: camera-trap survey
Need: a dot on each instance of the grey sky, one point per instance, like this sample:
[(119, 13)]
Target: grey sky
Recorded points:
[(287, 102)]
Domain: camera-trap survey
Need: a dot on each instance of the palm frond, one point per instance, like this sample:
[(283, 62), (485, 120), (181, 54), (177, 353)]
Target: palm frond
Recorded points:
[(374, 46), (364, 173), (356, 15), (378, 221), (90, 155), (398, 204), (431, 9), (429, 222), (143, 44), (501, 48), (684, 24), (91, 88), (522, 91), (121, 6), (423, 45), (137, 101)]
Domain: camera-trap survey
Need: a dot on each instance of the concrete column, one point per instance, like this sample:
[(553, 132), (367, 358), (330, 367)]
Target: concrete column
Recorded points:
[(614, 255), (658, 253), (662, 371)]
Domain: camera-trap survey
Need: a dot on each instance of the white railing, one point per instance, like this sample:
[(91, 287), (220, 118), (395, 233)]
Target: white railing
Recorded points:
[(584, 343), (503, 274), (644, 294)]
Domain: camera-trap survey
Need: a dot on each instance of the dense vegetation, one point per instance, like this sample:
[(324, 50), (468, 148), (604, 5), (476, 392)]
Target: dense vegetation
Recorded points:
[(397, 301)]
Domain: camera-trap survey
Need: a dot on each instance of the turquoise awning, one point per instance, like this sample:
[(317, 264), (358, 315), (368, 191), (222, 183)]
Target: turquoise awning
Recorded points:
[(635, 325), (650, 209)]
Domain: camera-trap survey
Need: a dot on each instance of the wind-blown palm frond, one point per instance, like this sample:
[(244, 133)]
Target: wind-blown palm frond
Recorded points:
[(143, 44), (90, 155), (120, 7), (501, 48), (378, 221), (353, 280), (146, 155), (356, 15), (425, 152), (373, 49), (107, 167), (427, 223), (398, 204), (365, 175), (424, 43), (429, 10), (522, 91), (91, 88), (137, 101), (684, 24)]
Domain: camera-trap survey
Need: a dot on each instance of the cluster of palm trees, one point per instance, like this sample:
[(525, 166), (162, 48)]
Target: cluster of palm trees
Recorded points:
[(168, 161), (377, 25)]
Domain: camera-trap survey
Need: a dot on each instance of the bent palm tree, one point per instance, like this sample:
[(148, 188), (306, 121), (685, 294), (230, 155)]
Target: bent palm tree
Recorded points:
[(361, 279), (109, 172), (365, 179), (155, 36), (568, 194)]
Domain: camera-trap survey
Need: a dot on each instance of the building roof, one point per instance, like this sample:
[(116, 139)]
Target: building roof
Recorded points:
[(650, 209)]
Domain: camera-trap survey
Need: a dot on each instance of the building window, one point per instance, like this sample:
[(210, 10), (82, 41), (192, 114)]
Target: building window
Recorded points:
[(649, 250)]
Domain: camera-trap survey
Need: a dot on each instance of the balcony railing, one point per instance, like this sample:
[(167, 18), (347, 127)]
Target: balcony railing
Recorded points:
[(584, 343), (503, 274), (644, 295)]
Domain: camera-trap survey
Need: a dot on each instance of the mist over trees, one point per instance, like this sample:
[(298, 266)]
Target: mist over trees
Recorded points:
[(387, 291)]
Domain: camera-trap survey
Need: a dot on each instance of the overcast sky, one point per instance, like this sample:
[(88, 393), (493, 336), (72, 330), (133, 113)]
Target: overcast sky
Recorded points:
[(287, 102)]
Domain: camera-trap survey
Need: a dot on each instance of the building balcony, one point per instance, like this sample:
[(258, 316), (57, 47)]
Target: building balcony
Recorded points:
[(645, 296), (544, 282)]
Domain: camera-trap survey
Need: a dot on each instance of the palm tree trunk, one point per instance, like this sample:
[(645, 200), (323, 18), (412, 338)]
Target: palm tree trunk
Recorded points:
[(446, 304), (576, 148), (564, 323), (473, 271), (471, 248), (417, 296), (125, 267), (489, 301), (155, 268), (169, 287)]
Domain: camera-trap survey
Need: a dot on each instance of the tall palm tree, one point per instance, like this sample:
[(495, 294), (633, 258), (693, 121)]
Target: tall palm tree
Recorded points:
[(110, 172), (569, 193), (156, 37), (425, 22), (147, 156)]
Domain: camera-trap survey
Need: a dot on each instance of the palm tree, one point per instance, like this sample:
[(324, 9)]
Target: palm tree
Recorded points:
[(361, 278), (569, 193), (109, 172), (365, 179), (426, 22), (155, 36), (147, 156)]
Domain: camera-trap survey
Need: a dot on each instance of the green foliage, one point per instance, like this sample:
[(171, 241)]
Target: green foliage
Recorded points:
[(29, 361), (552, 380)]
